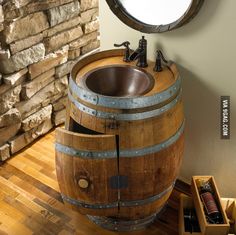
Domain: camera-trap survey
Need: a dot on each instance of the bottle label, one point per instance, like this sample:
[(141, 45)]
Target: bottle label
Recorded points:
[(209, 203)]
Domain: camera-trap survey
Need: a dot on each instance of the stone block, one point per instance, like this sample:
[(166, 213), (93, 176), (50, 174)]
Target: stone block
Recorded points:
[(32, 7), (22, 59), (74, 54), (15, 4), (88, 4), (91, 46), (55, 97), (1, 27), (21, 141), (74, 47), (5, 152), (60, 85), (50, 61), (84, 40), (10, 117), (25, 43), (31, 88), (60, 104), (45, 4), (6, 133), (63, 13), (45, 96), (59, 117), (62, 27), (4, 88), (29, 56), (6, 64), (10, 123), (37, 118), (89, 15), (1, 14), (64, 69), (9, 99), (25, 27), (16, 78), (55, 42), (91, 26)]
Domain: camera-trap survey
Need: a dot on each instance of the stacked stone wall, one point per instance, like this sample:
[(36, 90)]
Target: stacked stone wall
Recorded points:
[(40, 41)]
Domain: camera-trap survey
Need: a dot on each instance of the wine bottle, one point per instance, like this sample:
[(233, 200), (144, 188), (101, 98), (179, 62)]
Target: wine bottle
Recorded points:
[(190, 221), (210, 206)]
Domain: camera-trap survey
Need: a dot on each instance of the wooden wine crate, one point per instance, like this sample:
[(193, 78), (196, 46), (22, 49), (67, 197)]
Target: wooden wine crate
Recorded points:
[(229, 206), (206, 228), (185, 202)]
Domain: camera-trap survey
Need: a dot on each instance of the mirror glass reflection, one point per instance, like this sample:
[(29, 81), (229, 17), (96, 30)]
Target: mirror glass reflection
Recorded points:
[(156, 12)]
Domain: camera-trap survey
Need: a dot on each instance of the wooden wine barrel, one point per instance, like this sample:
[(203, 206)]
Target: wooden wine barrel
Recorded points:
[(118, 157)]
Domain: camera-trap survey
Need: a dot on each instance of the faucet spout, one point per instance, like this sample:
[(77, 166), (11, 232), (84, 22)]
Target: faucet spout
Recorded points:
[(136, 54), (140, 54)]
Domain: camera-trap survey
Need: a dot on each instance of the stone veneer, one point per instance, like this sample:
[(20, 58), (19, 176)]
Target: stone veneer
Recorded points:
[(40, 42)]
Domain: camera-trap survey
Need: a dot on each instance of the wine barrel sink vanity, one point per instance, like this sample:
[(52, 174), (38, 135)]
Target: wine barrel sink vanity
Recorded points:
[(120, 152)]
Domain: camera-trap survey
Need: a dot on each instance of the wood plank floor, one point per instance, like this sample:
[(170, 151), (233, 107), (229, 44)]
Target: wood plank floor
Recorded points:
[(30, 202)]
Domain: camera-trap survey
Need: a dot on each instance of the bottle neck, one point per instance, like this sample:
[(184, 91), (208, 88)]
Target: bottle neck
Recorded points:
[(204, 186)]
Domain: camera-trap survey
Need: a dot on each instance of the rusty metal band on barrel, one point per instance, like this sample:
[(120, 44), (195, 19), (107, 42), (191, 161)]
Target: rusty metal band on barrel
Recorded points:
[(124, 116), (123, 152), (124, 102), (118, 203)]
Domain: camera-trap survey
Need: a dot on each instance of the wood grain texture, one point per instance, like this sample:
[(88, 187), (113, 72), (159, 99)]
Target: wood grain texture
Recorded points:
[(30, 202), (153, 173), (96, 171), (159, 127)]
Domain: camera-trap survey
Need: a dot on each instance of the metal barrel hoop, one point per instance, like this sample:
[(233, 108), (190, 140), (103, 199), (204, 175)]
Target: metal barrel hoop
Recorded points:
[(124, 102), (123, 153), (121, 116), (120, 203)]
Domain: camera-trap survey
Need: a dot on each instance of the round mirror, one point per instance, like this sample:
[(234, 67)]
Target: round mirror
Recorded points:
[(155, 16)]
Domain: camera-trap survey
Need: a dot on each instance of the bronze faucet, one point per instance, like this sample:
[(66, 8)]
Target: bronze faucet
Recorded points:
[(127, 50), (140, 53), (158, 65)]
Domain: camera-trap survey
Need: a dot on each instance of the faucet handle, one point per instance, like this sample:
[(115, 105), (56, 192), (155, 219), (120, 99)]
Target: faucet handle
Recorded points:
[(159, 59), (125, 44), (127, 50)]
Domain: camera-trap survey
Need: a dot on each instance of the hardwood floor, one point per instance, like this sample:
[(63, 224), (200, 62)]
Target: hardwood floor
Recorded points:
[(30, 202)]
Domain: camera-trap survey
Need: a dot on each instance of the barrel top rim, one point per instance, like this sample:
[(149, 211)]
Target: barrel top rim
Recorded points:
[(152, 96)]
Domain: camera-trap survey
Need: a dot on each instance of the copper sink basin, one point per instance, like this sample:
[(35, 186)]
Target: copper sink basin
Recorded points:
[(119, 81)]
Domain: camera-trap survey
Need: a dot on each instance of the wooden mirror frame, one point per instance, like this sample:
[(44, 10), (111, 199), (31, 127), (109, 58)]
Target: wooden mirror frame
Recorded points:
[(129, 20)]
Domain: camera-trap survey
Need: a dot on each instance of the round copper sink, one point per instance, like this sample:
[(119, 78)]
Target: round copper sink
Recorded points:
[(118, 81)]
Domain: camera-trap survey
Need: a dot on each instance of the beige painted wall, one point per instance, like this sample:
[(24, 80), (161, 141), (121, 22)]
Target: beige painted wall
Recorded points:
[(205, 51)]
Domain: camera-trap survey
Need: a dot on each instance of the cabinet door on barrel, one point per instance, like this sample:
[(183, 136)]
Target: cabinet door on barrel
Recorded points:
[(85, 165)]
